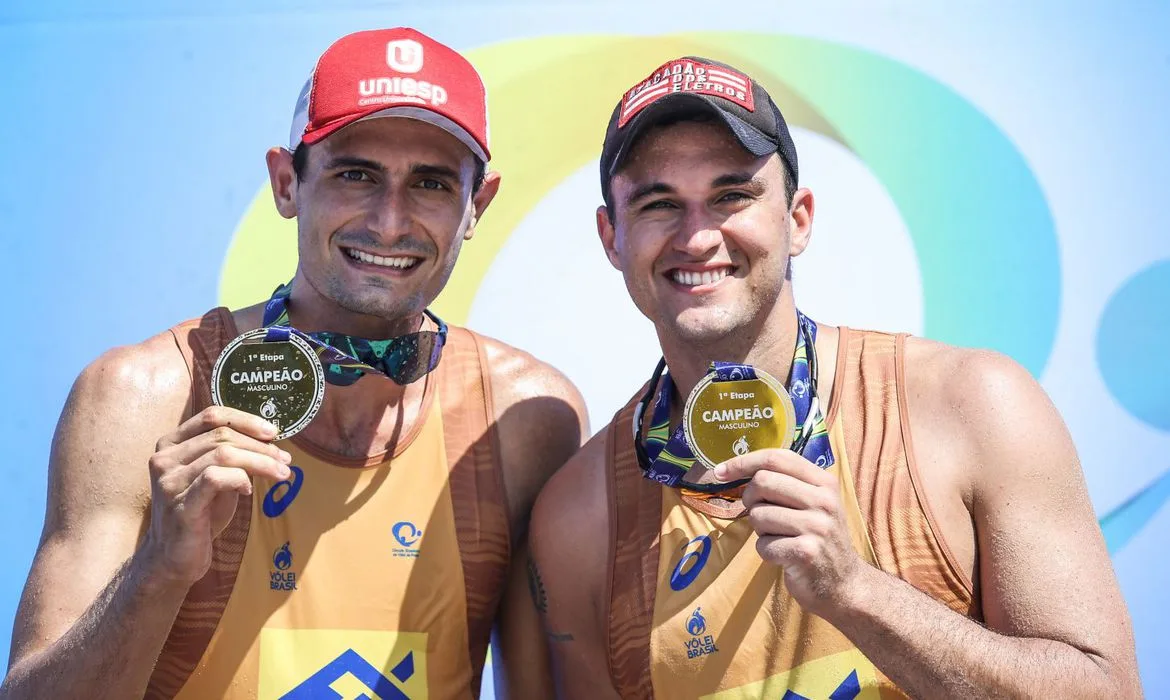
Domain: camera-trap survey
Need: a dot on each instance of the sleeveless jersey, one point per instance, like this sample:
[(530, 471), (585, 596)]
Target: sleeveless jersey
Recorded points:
[(375, 577), (690, 599)]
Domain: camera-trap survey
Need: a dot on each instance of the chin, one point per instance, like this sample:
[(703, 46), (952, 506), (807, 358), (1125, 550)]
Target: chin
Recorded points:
[(704, 326), (383, 304)]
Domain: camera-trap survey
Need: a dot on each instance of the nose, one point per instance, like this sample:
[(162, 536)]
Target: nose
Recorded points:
[(388, 211), (698, 233)]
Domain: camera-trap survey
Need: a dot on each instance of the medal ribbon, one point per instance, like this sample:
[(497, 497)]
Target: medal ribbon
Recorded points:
[(671, 456), (404, 359)]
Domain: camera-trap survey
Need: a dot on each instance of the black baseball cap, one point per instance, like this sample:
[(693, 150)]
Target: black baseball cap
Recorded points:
[(684, 85)]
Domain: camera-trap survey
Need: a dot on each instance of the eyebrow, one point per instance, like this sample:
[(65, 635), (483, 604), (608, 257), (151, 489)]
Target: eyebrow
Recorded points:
[(354, 162), (730, 179), (435, 171), (647, 190), (739, 179), (416, 169)]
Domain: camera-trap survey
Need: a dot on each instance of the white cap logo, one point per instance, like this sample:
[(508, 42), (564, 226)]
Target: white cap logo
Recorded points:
[(404, 55)]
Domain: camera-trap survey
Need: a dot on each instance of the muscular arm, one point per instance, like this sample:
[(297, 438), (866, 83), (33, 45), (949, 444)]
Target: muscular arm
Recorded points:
[(90, 622), (541, 419), (1056, 622), (107, 580), (569, 543)]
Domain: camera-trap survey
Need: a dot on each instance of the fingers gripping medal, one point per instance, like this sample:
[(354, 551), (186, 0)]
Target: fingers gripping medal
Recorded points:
[(735, 410), (274, 375)]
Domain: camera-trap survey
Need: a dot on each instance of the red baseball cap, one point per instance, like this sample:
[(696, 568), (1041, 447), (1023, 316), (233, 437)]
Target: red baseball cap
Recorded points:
[(396, 72)]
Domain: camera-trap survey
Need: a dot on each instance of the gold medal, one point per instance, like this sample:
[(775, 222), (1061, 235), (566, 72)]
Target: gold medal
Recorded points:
[(724, 419), (283, 382)]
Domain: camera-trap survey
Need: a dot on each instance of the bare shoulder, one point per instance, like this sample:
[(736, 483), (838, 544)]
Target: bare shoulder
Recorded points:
[(119, 406), (574, 499), (134, 382), (541, 420), (983, 400), (569, 536), (966, 377), (154, 368), (518, 377)]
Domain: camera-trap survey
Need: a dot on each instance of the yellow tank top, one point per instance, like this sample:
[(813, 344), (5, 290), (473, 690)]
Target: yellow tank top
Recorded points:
[(354, 578), (692, 601)]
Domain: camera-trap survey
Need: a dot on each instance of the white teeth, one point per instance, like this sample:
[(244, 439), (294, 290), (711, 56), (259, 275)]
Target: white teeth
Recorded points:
[(694, 279), (401, 263)]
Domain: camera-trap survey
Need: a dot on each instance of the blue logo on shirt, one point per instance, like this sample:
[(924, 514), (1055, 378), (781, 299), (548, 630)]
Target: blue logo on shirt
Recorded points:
[(699, 644), (689, 567), (849, 689), (283, 493), (351, 663), (407, 535), (283, 558), (281, 578), (697, 624)]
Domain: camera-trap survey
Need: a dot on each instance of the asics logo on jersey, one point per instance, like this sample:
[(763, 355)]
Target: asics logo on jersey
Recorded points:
[(691, 565), (283, 493)]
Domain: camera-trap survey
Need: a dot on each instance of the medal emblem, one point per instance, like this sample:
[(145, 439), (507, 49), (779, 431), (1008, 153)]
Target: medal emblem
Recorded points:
[(725, 419), (281, 381)]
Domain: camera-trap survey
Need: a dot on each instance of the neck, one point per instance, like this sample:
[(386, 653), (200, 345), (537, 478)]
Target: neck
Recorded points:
[(372, 415), (367, 418), (768, 345)]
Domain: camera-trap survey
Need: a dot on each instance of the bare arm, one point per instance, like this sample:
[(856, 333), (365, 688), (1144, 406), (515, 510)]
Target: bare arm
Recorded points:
[(110, 572), (570, 547), (542, 421), (1055, 616), (1056, 622)]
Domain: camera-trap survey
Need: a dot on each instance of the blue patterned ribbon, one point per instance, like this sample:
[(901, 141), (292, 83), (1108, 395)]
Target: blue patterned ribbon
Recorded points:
[(404, 359)]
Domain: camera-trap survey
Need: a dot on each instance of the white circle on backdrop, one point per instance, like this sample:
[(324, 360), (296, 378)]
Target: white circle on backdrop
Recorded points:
[(552, 292)]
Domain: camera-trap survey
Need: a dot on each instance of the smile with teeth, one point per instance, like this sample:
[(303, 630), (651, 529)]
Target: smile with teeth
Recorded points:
[(695, 279), (396, 262)]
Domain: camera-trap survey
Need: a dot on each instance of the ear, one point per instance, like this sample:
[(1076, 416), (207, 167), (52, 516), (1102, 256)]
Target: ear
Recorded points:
[(283, 179), (800, 220), (481, 200), (608, 236)]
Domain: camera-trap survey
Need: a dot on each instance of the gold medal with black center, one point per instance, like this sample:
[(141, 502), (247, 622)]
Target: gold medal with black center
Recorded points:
[(283, 381), (722, 420)]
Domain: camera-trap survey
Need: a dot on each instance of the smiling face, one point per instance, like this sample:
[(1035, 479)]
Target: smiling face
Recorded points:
[(382, 207), (702, 232)]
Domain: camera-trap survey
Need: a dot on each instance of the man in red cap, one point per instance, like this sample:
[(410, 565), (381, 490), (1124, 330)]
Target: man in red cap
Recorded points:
[(790, 510), (195, 550)]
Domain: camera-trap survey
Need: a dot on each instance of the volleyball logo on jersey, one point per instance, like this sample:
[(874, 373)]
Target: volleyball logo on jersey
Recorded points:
[(700, 643), (282, 577)]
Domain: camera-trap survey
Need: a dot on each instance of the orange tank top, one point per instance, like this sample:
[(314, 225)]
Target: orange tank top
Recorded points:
[(692, 602), (375, 577)]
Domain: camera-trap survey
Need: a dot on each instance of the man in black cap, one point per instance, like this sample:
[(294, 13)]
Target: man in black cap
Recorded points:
[(795, 510)]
